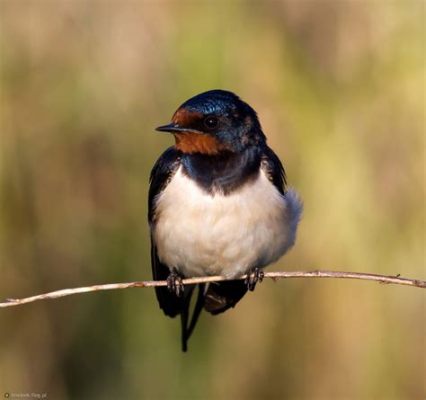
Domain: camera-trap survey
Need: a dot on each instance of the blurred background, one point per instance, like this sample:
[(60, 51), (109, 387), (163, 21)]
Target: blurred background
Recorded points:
[(339, 88)]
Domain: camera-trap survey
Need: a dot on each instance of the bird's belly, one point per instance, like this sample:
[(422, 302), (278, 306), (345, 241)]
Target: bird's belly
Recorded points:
[(202, 234)]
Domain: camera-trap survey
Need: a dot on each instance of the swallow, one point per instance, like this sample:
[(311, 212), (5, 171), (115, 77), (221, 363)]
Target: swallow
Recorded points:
[(218, 205)]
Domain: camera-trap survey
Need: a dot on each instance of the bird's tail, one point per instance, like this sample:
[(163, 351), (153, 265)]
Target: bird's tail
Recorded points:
[(187, 326), (216, 298), (220, 296)]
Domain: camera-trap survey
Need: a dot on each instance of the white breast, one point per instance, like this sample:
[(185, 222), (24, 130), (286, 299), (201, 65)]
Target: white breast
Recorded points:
[(202, 234)]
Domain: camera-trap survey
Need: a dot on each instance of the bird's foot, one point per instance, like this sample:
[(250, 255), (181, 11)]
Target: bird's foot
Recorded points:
[(254, 276), (174, 283)]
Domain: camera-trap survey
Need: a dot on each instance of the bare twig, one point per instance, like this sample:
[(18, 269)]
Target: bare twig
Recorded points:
[(396, 280)]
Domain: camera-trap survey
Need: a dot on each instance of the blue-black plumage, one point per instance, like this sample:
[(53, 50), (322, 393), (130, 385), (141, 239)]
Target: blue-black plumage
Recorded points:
[(218, 204)]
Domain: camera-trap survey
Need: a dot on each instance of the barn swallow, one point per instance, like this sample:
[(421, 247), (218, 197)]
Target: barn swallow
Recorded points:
[(218, 205)]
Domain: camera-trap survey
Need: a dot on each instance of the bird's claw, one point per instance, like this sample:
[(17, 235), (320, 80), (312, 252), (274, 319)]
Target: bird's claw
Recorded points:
[(254, 276), (175, 284)]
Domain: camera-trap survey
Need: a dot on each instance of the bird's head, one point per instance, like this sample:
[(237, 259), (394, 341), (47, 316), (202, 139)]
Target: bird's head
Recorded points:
[(213, 122)]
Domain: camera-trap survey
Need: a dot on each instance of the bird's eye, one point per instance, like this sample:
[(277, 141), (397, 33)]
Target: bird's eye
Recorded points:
[(211, 122)]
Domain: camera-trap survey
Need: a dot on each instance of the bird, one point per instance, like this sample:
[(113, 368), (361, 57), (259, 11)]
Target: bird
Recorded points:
[(218, 204)]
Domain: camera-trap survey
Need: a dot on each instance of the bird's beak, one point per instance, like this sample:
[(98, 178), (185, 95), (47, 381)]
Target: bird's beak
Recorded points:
[(174, 128)]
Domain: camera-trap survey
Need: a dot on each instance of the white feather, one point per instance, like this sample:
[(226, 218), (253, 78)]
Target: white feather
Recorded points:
[(202, 234)]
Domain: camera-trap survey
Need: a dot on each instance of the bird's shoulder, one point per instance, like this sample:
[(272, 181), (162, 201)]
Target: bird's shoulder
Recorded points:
[(273, 168)]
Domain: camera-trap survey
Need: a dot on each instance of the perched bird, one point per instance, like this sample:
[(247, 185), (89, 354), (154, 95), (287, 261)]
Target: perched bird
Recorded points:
[(218, 205)]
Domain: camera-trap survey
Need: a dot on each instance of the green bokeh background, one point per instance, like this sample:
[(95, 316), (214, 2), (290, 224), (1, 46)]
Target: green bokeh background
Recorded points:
[(339, 87)]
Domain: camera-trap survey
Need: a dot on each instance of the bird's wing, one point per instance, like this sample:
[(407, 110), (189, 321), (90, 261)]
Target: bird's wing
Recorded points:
[(274, 169), (162, 172)]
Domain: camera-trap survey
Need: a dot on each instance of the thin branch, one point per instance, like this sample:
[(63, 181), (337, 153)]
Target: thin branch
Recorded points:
[(396, 280)]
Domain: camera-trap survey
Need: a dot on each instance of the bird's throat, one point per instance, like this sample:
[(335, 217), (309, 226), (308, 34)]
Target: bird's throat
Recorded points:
[(224, 172), (190, 143)]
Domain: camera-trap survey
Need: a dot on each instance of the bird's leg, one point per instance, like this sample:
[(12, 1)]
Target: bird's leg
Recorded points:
[(254, 276), (174, 283)]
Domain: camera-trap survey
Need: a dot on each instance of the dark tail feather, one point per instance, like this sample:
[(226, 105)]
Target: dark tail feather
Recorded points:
[(184, 314), (184, 322), (218, 298), (223, 295), (185, 328), (197, 310)]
